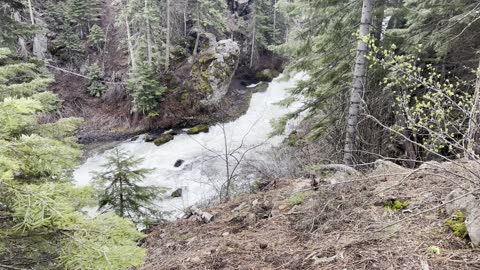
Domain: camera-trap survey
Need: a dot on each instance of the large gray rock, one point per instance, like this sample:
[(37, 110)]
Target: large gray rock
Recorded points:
[(213, 70), (465, 204), (472, 222)]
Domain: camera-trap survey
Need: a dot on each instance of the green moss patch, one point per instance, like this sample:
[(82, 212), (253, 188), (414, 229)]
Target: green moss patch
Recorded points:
[(457, 224), (396, 205)]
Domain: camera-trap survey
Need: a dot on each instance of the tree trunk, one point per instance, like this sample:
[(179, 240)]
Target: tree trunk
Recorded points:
[(274, 21), (197, 40), (30, 8), (358, 83), (185, 19), (130, 45), (473, 123), (167, 51), (254, 36), (149, 36)]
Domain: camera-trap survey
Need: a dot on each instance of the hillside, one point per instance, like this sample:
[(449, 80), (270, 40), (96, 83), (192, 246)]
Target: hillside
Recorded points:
[(346, 225)]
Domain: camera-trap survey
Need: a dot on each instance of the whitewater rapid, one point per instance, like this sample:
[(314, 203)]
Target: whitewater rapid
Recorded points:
[(203, 170)]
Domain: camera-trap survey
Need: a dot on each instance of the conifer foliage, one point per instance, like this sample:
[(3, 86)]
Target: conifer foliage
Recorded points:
[(119, 182), (42, 221)]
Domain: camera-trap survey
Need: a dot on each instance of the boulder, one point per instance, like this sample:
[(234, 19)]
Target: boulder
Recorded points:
[(472, 222), (213, 69), (260, 87), (198, 129), (149, 138), (465, 204), (387, 167), (267, 74), (178, 163), (177, 193), (163, 139)]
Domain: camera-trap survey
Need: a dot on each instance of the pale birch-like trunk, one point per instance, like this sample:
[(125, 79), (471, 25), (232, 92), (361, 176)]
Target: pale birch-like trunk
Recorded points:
[(130, 45), (30, 8), (254, 36), (274, 20), (359, 79), (167, 51), (185, 19), (149, 35), (473, 123)]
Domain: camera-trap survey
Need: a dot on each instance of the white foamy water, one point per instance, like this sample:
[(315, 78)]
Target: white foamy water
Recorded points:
[(203, 171)]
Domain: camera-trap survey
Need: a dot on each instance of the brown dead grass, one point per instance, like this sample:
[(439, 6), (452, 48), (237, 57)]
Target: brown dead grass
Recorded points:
[(337, 227)]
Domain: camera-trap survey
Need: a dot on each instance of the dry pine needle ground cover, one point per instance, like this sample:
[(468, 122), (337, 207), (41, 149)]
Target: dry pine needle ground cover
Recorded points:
[(341, 226)]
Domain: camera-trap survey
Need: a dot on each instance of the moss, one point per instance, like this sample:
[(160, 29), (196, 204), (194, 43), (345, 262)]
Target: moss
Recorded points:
[(396, 205), (198, 129), (433, 250), (296, 199), (457, 224), (267, 75), (163, 139)]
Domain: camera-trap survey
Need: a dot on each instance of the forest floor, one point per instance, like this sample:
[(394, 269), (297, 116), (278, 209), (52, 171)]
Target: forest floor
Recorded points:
[(344, 225)]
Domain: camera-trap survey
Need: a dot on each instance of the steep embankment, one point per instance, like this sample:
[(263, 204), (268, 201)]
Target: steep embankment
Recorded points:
[(390, 218), (202, 88)]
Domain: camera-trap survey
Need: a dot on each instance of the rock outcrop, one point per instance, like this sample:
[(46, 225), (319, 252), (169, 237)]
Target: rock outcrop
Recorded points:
[(214, 68)]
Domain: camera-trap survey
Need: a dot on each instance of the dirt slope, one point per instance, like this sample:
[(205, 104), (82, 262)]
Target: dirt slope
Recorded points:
[(341, 226)]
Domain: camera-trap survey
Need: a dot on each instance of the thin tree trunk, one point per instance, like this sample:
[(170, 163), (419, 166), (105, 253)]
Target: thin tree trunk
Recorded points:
[(473, 123), (30, 8), (379, 18), (274, 20), (167, 51), (197, 40), (130, 45), (358, 83), (149, 36), (185, 19), (254, 36)]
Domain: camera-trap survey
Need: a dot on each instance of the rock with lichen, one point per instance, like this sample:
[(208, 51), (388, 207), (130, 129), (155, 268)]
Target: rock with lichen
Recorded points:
[(213, 69), (472, 223)]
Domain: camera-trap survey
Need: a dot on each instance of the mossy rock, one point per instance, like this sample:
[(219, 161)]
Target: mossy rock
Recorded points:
[(261, 87), (163, 139), (457, 224), (266, 74), (198, 129)]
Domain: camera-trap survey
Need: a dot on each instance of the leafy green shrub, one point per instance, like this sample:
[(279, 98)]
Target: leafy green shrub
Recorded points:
[(297, 199)]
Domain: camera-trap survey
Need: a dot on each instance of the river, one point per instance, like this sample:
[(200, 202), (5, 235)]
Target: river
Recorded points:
[(203, 169)]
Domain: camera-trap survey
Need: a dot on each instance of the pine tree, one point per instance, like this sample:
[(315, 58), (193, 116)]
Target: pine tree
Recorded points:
[(208, 16), (121, 192), (96, 86), (146, 90), (96, 38), (42, 222)]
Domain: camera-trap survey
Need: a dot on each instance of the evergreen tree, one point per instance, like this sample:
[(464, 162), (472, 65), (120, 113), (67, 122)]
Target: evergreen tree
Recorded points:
[(208, 16), (122, 193), (146, 90), (96, 38), (42, 222), (96, 87)]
